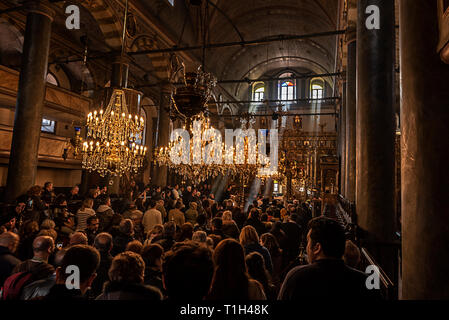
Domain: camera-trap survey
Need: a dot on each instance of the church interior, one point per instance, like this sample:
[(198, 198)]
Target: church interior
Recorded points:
[(346, 100)]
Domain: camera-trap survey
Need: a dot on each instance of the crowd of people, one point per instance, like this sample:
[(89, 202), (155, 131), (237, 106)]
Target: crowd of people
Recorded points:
[(172, 243)]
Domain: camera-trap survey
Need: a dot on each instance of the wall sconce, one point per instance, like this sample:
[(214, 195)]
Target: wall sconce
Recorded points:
[(297, 122)]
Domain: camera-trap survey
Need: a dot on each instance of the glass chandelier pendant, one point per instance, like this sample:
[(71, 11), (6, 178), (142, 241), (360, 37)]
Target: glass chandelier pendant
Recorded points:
[(111, 146)]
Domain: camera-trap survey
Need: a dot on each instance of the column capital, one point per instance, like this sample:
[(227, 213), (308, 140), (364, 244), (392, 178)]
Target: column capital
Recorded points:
[(41, 7)]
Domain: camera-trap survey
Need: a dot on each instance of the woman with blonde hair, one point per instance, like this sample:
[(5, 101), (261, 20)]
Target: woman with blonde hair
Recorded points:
[(83, 213), (154, 234), (250, 242)]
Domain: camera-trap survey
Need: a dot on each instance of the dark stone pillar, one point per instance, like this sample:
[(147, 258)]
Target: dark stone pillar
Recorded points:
[(375, 203), (30, 100), (425, 154), (163, 134), (351, 101), (342, 139)]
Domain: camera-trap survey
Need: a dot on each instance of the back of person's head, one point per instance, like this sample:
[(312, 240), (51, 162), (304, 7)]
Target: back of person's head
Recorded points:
[(78, 238), (48, 224), (217, 223), (264, 217), (248, 235), (199, 236), (104, 199), (151, 204), (91, 219), (134, 246), (227, 216), (126, 227), (186, 232), (34, 191), (9, 240), (152, 253), (169, 229), (256, 268), (103, 242), (59, 255), (157, 229), (193, 205), (201, 219), (178, 204), (127, 267), (352, 254), (270, 242), (188, 271), (86, 258), (230, 279), (43, 244), (254, 213), (87, 203), (329, 234)]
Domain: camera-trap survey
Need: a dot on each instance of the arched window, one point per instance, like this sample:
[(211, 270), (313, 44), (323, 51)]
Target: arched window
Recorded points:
[(287, 87), (317, 89), (52, 79), (259, 93)]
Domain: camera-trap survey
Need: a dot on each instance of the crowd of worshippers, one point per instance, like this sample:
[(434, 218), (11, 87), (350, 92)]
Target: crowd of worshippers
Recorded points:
[(174, 243)]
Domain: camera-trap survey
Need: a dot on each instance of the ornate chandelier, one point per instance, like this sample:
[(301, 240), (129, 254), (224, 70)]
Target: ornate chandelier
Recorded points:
[(194, 162), (112, 144)]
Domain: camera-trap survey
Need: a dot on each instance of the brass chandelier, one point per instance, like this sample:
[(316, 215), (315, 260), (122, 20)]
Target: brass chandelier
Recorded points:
[(112, 140)]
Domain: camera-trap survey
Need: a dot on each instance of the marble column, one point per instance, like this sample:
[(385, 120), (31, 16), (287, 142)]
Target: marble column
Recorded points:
[(375, 176), (350, 127), (163, 134), (30, 100), (425, 153)]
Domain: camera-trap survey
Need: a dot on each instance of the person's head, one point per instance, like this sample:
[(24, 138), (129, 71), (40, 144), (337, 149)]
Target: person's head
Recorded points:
[(86, 259), (255, 264), (254, 214), (78, 238), (93, 223), (43, 247), (264, 217), (248, 235), (127, 267), (189, 189), (201, 219), (151, 203), (126, 227), (217, 224), (199, 236), (75, 190), (35, 191), (325, 239), (230, 279), (9, 240), (193, 205), (227, 216), (88, 203), (178, 204), (93, 193), (48, 224), (48, 186), (160, 203), (103, 242), (157, 230), (188, 271), (270, 242), (186, 232), (105, 200), (210, 243), (169, 229), (152, 254), (352, 254), (134, 246)]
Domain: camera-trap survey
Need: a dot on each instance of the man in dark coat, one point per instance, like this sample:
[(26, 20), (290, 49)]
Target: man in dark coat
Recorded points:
[(326, 276), (8, 245)]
